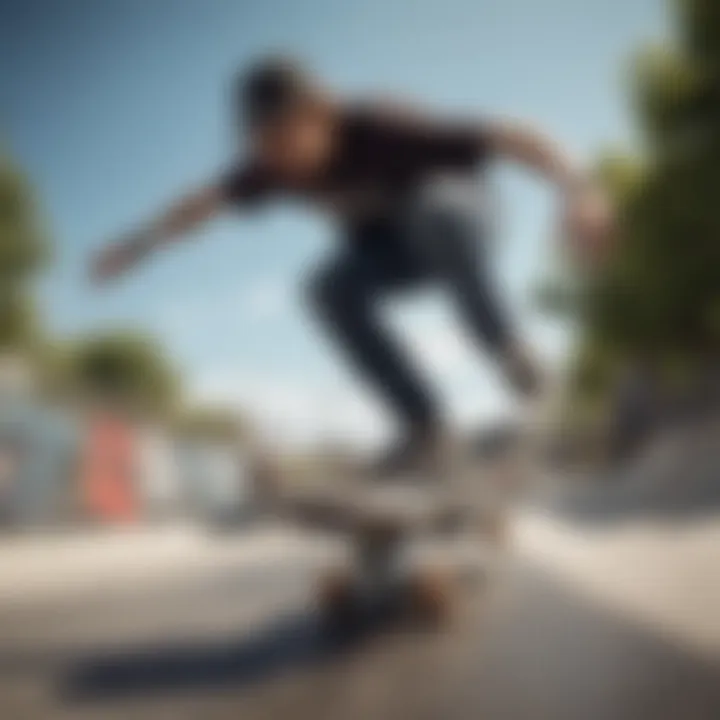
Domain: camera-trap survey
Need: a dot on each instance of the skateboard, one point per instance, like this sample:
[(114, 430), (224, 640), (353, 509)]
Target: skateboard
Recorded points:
[(384, 580), (385, 576), (406, 555)]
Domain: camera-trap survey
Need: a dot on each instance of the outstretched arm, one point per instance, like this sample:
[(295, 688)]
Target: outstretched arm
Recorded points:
[(535, 150), (183, 216), (522, 143), (587, 220)]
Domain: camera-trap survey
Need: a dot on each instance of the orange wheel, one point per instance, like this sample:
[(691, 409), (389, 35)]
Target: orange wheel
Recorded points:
[(336, 597), (431, 595), (335, 589)]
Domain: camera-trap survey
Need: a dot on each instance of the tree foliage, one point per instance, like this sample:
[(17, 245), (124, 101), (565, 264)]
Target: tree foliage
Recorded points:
[(210, 423), (124, 367), (659, 296), (19, 321), (23, 252)]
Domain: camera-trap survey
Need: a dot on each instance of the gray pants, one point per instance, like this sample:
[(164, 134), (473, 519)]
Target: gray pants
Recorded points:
[(431, 243)]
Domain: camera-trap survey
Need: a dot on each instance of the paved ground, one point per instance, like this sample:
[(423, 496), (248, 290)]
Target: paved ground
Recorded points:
[(607, 624), (607, 608)]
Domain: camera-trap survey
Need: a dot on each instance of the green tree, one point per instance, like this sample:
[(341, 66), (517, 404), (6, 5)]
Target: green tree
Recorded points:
[(658, 298), (23, 252), (126, 368), (211, 423)]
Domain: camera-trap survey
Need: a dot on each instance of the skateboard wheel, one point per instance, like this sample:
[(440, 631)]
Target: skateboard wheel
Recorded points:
[(337, 599), (430, 596)]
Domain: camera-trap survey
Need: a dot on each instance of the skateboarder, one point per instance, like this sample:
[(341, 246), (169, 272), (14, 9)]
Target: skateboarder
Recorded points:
[(405, 189)]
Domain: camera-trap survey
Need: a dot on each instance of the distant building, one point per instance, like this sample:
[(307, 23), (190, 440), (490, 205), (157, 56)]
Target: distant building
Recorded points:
[(158, 474), (38, 444), (217, 478)]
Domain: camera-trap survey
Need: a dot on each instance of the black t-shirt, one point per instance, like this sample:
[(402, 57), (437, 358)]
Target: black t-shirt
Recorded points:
[(381, 156)]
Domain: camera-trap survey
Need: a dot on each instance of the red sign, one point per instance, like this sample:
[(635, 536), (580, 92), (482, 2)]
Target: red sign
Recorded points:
[(108, 471)]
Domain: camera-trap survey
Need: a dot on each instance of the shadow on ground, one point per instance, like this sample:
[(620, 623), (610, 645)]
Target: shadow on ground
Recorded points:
[(292, 643), (539, 651)]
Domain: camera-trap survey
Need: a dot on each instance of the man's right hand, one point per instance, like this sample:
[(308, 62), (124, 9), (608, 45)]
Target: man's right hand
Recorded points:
[(182, 217), (589, 224), (113, 260)]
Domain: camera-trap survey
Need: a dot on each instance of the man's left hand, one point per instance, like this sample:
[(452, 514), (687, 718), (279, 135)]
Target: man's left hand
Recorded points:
[(588, 224)]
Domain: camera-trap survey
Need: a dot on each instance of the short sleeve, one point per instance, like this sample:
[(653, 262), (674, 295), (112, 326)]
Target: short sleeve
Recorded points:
[(244, 185), (427, 141)]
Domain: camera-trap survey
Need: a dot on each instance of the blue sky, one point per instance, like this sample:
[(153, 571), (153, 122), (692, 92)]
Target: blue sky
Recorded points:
[(113, 107)]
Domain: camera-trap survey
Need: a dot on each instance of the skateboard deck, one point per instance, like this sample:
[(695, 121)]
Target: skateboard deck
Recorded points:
[(382, 524), (402, 562)]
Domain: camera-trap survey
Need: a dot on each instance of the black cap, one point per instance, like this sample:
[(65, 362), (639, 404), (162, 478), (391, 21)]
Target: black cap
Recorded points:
[(270, 88)]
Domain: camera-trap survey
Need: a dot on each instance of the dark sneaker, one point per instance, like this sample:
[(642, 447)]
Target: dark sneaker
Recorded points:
[(522, 372), (426, 455)]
